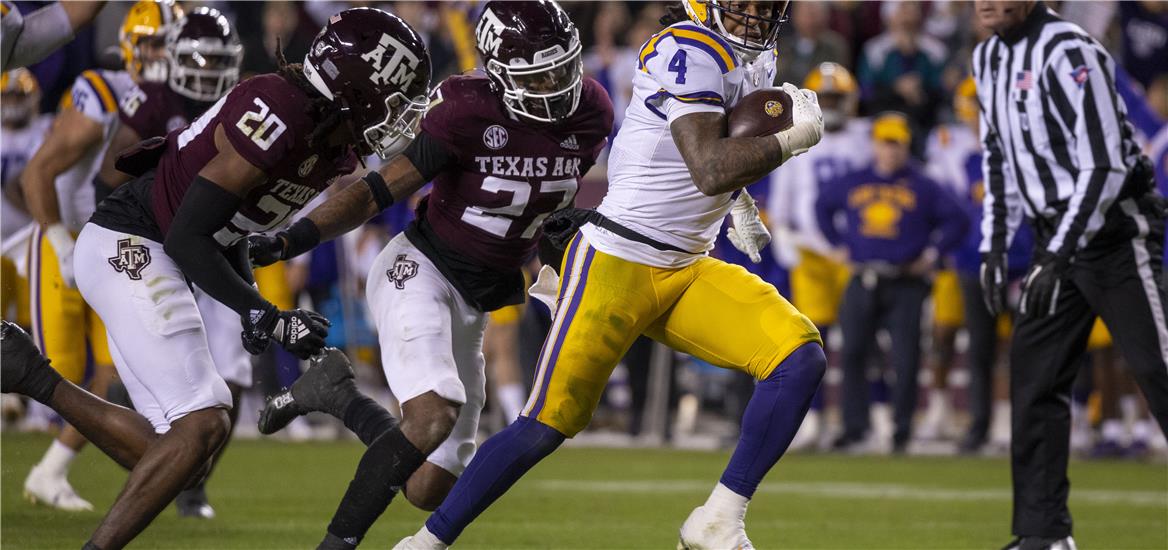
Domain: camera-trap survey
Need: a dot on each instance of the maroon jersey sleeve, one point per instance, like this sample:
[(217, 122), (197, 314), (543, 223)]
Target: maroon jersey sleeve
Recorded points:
[(143, 110), (457, 102), (263, 117)]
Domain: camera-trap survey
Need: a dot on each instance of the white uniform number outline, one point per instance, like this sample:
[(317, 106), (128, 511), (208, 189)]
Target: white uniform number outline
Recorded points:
[(497, 221), (227, 235), (267, 120)]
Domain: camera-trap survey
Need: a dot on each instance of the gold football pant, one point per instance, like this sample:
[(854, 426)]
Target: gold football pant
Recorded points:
[(62, 323), (715, 311)]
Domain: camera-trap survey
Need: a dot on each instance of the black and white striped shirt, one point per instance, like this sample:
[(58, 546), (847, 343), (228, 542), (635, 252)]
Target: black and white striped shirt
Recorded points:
[(1057, 141)]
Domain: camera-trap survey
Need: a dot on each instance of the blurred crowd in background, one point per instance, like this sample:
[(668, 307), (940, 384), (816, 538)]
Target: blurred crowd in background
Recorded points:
[(895, 76)]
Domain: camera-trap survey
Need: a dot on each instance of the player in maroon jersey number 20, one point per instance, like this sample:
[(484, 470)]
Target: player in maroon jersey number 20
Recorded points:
[(251, 160), (504, 150)]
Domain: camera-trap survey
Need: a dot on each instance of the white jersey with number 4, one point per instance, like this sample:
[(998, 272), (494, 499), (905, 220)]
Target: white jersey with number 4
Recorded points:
[(681, 70), (95, 94)]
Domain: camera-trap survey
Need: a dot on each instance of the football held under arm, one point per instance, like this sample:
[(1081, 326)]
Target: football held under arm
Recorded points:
[(693, 98)]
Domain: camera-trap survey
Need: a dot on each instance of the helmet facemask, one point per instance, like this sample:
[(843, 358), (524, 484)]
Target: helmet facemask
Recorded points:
[(544, 91), (203, 71), (394, 133), (150, 60)]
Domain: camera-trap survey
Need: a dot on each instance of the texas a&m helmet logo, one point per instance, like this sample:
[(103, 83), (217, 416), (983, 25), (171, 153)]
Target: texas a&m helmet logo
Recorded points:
[(403, 270), (393, 62), (489, 32), (131, 259)]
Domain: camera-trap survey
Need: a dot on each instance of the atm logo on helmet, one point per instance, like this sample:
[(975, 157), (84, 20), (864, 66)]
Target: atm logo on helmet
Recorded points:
[(489, 32), (398, 68)]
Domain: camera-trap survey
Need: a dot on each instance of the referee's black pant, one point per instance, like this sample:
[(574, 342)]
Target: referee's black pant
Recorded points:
[(1117, 277)]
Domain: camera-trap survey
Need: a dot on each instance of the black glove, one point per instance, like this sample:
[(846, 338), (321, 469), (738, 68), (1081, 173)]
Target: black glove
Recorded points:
[(264, 250), (299, 331), (1040, 288), (994, 282)]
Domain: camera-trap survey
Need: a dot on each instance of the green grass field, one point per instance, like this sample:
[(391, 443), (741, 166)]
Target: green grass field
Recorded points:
[(278, 495)]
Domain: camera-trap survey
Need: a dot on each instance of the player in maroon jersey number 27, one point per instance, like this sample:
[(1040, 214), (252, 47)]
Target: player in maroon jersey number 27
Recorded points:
[(504, 150), (251, 160)]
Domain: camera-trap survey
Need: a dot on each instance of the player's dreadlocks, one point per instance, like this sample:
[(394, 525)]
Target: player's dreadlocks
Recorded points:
[(319, 106), (674, 13)]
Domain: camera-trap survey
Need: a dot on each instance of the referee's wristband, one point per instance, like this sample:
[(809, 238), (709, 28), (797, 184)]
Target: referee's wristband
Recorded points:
[(379, 189)]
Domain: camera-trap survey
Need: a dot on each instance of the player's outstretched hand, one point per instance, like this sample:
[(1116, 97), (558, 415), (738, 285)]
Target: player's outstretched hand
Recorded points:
[(749, 235), (299, 331), (265, 250), (807, 122)]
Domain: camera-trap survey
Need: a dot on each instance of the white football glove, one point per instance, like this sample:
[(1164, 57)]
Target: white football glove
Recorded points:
[(807, 122), (62, 242), (547, 284), (749, 235)]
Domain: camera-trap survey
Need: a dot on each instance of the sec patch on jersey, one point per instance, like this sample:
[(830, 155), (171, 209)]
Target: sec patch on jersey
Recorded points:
[(761, 113)]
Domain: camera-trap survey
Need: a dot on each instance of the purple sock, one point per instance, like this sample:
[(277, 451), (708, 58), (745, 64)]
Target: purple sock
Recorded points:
[(499, 463), (772, 417)]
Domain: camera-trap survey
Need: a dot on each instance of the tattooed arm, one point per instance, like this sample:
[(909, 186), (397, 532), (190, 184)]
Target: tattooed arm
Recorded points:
[(720, 164), (350, 208), (354, 205)]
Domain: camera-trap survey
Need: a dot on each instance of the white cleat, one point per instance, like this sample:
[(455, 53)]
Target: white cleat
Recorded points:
[(422, 540), (42, 487), (705, 531)]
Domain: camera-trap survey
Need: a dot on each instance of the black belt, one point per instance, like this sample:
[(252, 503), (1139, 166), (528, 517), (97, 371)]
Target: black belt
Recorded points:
[(596, 218)]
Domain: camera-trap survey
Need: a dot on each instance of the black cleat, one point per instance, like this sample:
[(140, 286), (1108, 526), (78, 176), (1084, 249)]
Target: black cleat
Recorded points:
[(192, 503), (23, 368), (327, 386)]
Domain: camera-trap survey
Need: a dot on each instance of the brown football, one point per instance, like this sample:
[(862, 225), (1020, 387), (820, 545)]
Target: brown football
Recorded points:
[(760, 113)]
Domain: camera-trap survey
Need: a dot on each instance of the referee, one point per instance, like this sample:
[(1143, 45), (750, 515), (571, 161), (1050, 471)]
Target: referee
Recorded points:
[(1059, 152)]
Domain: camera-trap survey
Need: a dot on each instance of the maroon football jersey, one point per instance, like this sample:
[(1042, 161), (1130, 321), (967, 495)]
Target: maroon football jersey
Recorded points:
[(510, 174), (268, 122), (153, 109)]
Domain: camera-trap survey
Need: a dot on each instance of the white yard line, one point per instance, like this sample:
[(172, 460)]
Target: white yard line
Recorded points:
[(849, 490)]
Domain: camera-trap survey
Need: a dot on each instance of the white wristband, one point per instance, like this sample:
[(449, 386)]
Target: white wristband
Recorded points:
[(60, 238)]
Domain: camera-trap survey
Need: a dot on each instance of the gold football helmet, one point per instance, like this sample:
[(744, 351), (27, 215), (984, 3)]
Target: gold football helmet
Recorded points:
[(142, 38)]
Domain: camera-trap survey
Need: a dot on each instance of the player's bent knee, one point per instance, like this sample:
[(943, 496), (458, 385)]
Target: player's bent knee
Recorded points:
[(428, 419), (428, 487)]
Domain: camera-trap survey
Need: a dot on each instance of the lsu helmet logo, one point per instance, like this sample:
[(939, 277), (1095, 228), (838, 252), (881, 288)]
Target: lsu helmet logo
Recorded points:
[(489, 30), (773, 109), (398, 69)]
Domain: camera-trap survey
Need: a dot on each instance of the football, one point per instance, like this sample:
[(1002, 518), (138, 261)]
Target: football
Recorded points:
[(761, 113)]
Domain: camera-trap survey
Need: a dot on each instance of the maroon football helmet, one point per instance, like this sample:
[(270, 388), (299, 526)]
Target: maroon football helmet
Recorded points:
[(376, 69), (204, 55), (531, 51)]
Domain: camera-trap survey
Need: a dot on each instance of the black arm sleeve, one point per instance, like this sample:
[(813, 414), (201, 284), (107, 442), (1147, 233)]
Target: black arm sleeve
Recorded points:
[(429, 156), (205, 209)]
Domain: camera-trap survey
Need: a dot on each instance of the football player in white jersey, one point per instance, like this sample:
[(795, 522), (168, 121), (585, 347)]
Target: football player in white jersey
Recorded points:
[(639, 266), (818, 276), (23, 131), (57, 184)]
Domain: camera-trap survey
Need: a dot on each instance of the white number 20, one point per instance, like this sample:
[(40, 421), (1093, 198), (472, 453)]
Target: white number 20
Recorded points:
[(268, 129), (497, 221)]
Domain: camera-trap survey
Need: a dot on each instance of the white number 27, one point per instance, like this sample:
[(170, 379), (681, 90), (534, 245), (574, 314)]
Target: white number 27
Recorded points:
[(268, 129), (497, 221)]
